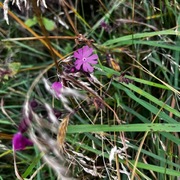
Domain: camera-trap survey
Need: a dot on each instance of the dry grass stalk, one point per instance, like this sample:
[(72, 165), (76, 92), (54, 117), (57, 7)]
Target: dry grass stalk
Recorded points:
[(61, 135)]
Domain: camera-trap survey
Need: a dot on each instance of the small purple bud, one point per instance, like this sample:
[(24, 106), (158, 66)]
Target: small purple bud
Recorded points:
[(57, 113), (105, 26), (33, 104), (73, 70), (70, 69)]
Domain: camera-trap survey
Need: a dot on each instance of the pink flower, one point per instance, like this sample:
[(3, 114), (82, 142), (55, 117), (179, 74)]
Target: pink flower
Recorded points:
[(20, 142), (85, 59), (56, 87)]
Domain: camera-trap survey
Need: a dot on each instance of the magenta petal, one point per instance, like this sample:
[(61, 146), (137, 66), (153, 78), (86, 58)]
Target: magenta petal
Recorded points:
[(93, 61), (77, 55), (20, 142), (87, 51), (78, 64), (87, 67), (92, 57), (85, 48)]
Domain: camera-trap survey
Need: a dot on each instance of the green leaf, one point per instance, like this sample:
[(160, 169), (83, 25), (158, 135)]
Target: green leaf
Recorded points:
[(32, 49), (31, 21), (159, 169), (125, 128), (49, 24), (147, 105), (150, 83), (161, 44), (14, 67), (32, 165), (138, 36), (153, 99)]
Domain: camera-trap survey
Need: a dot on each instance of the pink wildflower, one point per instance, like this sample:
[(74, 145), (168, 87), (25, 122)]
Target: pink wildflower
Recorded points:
[(56, 87), (85, 58), (20, 142)]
